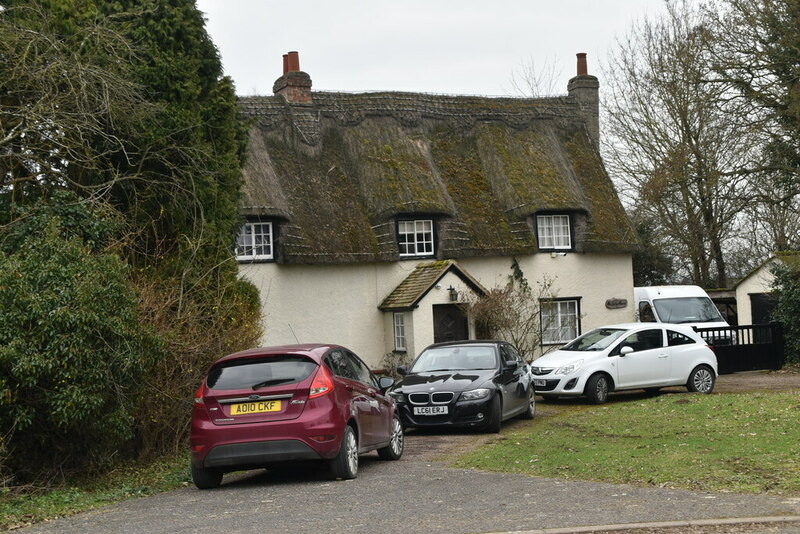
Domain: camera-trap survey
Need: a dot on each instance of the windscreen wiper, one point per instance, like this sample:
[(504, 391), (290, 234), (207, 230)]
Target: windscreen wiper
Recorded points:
[(273, 382)]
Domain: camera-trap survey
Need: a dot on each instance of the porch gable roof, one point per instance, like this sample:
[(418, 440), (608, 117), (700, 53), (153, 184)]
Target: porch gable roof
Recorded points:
[(408, 294)]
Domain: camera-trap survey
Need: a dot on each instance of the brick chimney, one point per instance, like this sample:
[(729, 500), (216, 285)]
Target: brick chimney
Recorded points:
[(295, 85), (585, 89)]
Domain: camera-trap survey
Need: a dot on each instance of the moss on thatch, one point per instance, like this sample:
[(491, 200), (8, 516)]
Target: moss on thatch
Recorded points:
[(340, 173)]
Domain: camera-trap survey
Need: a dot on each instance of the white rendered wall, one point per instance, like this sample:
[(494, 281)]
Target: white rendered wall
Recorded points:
[(339, 303), (758, 282)]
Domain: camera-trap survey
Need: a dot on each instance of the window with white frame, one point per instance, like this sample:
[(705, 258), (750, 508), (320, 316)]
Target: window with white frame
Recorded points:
[(553, 232), (559, 321), (400, 331), (415, 237), (254, 241)]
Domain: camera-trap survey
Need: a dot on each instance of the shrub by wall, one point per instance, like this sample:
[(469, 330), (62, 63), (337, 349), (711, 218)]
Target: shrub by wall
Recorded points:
[(787, 312), (72, 351)]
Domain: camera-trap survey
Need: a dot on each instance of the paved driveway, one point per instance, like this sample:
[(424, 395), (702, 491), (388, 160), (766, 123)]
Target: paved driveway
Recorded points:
[(417, 494)]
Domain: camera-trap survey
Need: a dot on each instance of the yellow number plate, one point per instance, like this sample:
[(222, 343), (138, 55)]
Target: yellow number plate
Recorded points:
[(246, 408)]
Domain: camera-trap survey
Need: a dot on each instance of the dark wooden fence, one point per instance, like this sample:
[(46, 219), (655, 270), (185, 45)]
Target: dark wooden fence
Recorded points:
[(746, 347)]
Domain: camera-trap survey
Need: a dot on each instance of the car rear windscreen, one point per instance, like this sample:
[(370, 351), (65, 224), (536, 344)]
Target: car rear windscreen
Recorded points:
[(258, 373)]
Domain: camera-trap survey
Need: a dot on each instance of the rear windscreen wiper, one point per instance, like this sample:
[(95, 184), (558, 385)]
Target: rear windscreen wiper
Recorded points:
[(273, 382)]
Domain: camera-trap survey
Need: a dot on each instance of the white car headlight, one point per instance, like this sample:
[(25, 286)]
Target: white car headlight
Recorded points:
[(475, 394), (569, 368)]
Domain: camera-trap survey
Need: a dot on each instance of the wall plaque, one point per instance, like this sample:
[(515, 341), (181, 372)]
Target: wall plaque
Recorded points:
[(615, 304)]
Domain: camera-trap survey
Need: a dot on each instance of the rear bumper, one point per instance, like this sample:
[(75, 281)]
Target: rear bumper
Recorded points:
[(257, 453), (316, 434)]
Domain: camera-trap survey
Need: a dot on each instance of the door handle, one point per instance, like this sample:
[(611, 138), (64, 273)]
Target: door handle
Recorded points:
[(662, 356), (348, 387), (372, 392)]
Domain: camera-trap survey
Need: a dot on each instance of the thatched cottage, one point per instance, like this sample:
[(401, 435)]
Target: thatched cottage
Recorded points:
[(370, 216)]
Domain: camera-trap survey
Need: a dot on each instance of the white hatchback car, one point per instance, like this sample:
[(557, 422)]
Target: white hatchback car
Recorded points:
[(627, 356)]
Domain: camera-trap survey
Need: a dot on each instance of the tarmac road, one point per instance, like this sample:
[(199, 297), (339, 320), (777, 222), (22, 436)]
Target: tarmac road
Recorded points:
[(418, 494)]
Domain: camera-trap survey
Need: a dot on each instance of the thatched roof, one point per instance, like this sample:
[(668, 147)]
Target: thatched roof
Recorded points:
[(337, 173)]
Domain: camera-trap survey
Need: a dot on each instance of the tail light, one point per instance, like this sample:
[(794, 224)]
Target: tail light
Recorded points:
[(322, 384), (198, 396)]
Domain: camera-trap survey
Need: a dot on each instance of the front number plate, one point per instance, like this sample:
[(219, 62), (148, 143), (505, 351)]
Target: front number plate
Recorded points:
[(430, 410), (540, 383), (247, 408)]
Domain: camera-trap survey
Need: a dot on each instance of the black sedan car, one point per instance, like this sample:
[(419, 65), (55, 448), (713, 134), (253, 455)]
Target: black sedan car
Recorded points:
[(466, 383)]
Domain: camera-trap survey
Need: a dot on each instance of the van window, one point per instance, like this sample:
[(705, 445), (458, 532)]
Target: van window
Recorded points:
[(646, 314), (687, 310)]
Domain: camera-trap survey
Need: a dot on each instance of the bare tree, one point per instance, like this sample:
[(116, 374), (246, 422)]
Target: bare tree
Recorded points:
[(671, 146), (514, 312), (755, 57), (65, 105), (536, 80)]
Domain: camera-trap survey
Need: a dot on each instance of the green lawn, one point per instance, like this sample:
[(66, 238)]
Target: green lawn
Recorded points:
[(22, 506), (722, 442)]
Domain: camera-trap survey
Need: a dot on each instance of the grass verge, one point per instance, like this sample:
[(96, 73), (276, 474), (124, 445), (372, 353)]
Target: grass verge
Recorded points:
[(23, 506), (723, 442)]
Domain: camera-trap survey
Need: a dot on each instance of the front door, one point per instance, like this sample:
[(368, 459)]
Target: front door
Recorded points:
[(449, 323)]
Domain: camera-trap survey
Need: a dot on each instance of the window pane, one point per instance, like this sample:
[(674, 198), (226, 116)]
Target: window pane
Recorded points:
[(553, 231), (254, 241), (559, 321), (399, 331), (415, 237)]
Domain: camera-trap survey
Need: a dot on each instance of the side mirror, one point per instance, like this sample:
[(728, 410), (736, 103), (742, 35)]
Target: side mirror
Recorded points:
[(385, 382), (624, 351), (511, 365), (402, 370)]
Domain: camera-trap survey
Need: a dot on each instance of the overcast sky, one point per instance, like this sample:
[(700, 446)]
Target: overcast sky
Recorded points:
[(432, 46)]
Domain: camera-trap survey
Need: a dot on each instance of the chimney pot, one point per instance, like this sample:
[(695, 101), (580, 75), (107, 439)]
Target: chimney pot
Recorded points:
[(294, 62), (582, 70), (294, 85)]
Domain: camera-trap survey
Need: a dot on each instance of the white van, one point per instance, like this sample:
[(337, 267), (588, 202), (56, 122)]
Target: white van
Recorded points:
[(688, 305)]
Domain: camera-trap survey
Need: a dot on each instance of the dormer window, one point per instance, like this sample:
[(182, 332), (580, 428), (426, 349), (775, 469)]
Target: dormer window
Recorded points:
[(415, 238), (255, 242), (554, 232)]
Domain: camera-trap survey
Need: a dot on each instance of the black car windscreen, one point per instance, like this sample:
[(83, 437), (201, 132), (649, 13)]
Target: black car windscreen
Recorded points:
[(255, 373), (455, 359)]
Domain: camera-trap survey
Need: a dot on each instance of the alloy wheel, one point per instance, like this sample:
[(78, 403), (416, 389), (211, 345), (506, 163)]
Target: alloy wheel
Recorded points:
[(397, 438), (352, 453), (702, 380)]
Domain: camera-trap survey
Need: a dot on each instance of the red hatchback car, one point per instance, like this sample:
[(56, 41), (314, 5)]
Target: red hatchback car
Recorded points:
[(297, 402)]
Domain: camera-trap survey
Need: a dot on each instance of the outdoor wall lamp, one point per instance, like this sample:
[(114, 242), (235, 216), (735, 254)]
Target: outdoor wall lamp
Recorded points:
[(453, 294)]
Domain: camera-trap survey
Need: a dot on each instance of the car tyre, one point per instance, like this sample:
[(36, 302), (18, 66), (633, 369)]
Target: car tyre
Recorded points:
[(495, 415), (394, 450), (530, 409), (345, 464), (701, 380), (206, 478), (597, 388)]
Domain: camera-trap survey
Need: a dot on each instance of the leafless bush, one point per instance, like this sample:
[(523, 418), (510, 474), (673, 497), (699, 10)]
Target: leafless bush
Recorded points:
[(196, 333), (513, 312), (391, 360)]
